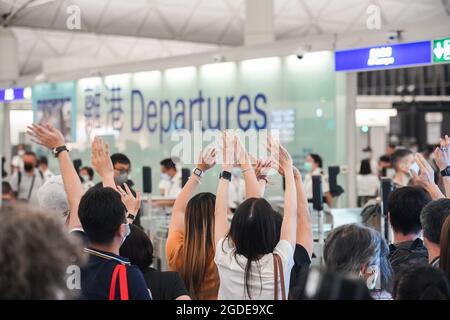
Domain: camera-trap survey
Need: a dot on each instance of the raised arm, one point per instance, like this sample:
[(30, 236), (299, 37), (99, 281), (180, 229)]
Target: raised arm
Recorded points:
[(252, 187), (206, 162), (221, 209), (442, 158), (101, 162), (261, 171), (425, 179), (51, 138), (284, 164), (304, 235)]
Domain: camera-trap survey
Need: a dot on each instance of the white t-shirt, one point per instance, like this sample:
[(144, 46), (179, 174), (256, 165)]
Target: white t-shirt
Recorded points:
[(232, 270), (367, 184), (48, 174), (308, 184)]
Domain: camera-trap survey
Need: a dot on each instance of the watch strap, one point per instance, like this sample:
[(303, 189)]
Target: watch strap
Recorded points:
[(446, 172), (225, 175), (59, 149)]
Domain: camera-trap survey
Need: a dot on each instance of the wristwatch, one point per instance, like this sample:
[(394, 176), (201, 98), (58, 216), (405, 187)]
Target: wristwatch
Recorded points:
[(446, 172), (56, 151), (198, 172), (225, 175), (131, 216)]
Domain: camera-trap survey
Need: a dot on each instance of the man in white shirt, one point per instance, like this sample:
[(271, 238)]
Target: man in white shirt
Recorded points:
[(26, 182), (170, 184), (43, 167), (313, 167)]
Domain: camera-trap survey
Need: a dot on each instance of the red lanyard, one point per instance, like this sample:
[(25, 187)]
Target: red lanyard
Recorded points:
[(121, 271)]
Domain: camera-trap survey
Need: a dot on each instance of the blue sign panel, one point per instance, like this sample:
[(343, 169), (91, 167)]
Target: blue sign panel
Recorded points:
[(384, 57), (11, 94)]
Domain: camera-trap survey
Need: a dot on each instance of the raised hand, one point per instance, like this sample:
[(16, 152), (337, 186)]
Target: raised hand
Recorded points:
[(442, 154), (426, 173), (100, 159), (131, 202), (281, 158), (262, 168), (228, 150), (207, 159), (45, 135)]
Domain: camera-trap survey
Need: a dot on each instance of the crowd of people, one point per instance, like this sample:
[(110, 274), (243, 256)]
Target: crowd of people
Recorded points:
[(77, 240)]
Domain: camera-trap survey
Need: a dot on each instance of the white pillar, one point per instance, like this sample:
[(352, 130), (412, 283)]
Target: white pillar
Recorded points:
[(258, 22), (9, 72), (9, 61), (351, 93)]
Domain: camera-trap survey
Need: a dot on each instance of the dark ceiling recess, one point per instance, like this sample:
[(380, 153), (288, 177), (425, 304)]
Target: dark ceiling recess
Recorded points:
[(418, 81)]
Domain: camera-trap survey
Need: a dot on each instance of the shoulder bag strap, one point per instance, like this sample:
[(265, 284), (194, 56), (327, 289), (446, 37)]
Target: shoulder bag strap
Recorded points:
[(119, 271), (112, 288), (31, 187), (275, 282), (281, 271), (123, 282)]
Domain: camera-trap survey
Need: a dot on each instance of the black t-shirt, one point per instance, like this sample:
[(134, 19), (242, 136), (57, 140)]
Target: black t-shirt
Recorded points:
[(299, 272), (96, 277), (164, 285)]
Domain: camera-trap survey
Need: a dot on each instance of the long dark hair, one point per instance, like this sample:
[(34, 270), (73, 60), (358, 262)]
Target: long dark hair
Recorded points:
[(365, 168), (198, 241), (254, 231)]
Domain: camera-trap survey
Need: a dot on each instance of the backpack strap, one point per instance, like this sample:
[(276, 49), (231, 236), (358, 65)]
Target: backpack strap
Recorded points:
[(119, 271), (19, 180)]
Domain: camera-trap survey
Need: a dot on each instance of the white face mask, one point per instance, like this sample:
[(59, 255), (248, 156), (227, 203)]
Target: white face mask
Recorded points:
[(128, 231), (415, 167), (85, 177), (21, 153), (165, 177)]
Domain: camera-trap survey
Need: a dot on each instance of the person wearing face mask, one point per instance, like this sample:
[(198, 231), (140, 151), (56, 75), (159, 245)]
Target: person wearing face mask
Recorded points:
[(403, 162), (169, 185), (313, 167), (87, 175), (103, 217), (236, 189), (17, 160), (25, 183), (360, 252), (122, 168), (43, 167)]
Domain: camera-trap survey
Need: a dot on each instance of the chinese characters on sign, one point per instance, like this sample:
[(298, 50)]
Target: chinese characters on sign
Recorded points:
[(110, 105)]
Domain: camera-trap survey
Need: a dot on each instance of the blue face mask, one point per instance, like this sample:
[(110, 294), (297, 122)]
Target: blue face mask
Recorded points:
[(307, 166), (128, 231)]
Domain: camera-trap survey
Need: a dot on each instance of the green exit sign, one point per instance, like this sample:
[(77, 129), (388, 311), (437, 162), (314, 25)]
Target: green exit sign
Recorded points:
[(441, 50)]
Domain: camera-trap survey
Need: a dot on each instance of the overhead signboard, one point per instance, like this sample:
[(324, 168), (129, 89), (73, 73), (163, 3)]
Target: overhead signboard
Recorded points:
[(11, 94), (384, 57), (441, 50)]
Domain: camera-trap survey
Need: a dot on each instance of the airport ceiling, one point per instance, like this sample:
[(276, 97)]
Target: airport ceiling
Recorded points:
[(129, 30)]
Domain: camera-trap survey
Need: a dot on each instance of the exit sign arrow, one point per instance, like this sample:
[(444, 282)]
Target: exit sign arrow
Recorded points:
[(441, 50)]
